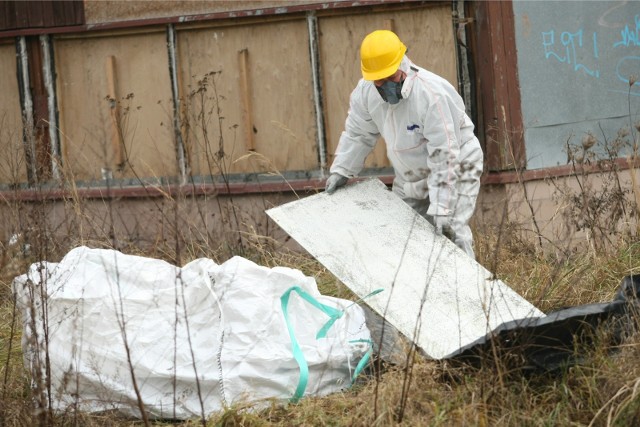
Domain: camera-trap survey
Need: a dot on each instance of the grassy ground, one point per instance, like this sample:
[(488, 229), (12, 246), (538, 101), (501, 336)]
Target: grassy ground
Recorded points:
[(603, 390)]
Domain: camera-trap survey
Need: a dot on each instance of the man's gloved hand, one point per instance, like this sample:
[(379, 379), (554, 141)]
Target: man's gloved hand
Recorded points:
[(442, 224), (334, 181)]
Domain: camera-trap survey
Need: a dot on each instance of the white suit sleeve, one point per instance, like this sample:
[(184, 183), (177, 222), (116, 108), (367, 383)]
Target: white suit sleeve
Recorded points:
[(443, 149), (358, 138)]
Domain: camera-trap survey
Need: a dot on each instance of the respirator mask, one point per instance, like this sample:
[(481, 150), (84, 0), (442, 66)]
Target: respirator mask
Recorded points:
[(390, 91)]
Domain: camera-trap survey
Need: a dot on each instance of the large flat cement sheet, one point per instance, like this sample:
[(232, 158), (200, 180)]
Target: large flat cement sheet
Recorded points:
[(432, 292)]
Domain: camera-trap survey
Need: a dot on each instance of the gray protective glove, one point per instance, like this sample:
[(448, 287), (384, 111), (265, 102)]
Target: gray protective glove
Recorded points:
[(334, 181), (442, 225)]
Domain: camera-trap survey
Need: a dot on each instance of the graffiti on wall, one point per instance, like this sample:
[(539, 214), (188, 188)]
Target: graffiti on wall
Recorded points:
[(582, 52)]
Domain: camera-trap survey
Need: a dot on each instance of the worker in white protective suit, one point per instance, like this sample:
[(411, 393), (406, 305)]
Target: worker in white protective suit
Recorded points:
[(429, 137)]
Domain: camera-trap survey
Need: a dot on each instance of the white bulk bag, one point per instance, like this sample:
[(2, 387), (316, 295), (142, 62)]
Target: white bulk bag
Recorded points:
[(200, 338)]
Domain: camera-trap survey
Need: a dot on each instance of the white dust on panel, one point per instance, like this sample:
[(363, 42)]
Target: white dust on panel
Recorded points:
[(432, 291)]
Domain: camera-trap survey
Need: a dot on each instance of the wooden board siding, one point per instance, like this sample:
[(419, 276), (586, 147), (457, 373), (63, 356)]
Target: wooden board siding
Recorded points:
[(13, 168), (275, 88), (143, 95), (426, 32), (43, 14), (115, 102)]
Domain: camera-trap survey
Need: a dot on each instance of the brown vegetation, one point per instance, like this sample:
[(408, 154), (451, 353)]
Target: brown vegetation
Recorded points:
[(602, 390)]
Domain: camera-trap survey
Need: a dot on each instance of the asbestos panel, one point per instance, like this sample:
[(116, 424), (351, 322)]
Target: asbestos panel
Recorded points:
[(432, 292)]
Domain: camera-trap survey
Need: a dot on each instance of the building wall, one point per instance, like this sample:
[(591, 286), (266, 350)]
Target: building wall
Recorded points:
[(236, 114), (170, 226), (538, 215), (590, 209), (236, 99), (246, 110)]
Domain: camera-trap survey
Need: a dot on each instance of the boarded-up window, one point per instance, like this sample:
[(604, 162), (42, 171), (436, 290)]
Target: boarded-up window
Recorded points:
[(426, 32), (13, 168), (114, 97), (258, 98), (245, 86)]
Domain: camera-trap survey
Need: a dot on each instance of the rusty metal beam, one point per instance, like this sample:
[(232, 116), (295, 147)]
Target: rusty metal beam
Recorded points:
[(497, 85), (139, 191)]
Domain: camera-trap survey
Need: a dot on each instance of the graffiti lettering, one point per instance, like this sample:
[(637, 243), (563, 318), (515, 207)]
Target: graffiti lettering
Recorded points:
[(575, 48), (628, 36), (571, 42)]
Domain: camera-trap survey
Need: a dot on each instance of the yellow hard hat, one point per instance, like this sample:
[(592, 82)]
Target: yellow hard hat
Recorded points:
[(380, 54)]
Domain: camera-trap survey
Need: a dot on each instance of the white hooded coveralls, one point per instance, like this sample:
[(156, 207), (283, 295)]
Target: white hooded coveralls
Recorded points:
[(430, 143)]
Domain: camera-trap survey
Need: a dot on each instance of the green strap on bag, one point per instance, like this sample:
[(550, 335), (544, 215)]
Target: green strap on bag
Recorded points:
[(334, 314)]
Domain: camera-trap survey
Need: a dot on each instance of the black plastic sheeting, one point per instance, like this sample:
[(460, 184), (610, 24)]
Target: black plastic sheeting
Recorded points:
[(561, 337)]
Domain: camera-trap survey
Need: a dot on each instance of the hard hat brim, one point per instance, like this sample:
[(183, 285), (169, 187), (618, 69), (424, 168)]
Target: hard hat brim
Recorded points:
[(380, 74)]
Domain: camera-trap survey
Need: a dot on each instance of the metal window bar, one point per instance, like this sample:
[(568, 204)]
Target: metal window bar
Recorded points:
[(27, 110), (48, 70), (177, 124), (312, 25)]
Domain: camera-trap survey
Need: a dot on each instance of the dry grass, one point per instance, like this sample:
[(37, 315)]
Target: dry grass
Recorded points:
[(604, 390)]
